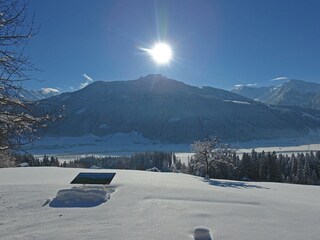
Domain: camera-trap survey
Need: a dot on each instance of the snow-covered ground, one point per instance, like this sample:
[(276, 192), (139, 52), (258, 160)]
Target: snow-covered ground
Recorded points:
[(125, 144), (284, 150), (115, 144), (149, 205)]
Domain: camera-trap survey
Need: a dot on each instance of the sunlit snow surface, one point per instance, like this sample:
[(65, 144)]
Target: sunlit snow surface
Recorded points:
[(148, 205), (125, 144), (115, 144)]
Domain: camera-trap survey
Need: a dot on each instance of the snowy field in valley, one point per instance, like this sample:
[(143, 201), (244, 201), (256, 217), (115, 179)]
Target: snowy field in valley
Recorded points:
[(147, 205), (185, 156), (115, 144), (120, 144), (284, 150), (128, 143)]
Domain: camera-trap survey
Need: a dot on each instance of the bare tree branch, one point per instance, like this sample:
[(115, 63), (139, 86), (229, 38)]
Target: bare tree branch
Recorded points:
[(209, 153), (19, 119)]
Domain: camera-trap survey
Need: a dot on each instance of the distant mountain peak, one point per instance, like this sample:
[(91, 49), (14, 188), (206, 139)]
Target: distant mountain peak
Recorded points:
[(294, 92), (154, 76)]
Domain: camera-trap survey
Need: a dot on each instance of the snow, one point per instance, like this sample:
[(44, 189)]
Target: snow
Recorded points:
[(239, 102), (80, 197), (284, 150), (24, 164), (95, 167), (154, 169), (103, 126), (174, 119), (113, 144), (148, 205), (82, 110), (316, 118), (126, 144)]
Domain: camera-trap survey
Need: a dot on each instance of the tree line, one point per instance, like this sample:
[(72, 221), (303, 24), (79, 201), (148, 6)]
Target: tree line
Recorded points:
[(33, 161), (300, 168), (265, 166), (215, 160), (163, 161)]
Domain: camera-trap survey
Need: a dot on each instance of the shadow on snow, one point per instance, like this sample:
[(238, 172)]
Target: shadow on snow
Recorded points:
[(81, 197), (231, 184)]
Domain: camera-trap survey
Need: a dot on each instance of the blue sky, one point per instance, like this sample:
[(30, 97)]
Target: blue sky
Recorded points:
[(217, 43)]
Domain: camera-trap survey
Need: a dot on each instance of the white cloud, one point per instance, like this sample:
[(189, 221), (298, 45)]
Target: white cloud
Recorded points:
[(49, 90), (280, 79), (87, 80)]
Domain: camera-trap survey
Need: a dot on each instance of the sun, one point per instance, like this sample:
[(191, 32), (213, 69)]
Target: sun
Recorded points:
[(161, 53)]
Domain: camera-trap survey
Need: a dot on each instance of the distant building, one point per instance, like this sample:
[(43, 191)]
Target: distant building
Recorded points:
[(95, 167), (24, 164), (154, 169)]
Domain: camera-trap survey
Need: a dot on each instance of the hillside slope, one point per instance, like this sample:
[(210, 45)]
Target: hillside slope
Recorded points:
[(255, 93)]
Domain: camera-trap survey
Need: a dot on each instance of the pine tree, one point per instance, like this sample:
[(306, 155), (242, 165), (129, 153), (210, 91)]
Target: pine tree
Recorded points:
[(307, 175)]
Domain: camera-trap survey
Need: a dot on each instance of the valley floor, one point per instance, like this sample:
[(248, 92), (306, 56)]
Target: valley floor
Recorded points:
[(147, 205)]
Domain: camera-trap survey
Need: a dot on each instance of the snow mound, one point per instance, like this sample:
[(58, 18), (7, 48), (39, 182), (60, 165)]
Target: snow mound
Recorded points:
[(201, 233), (81, 197)]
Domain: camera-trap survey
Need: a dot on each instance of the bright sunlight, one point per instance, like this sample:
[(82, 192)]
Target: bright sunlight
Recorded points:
[(161, 53)]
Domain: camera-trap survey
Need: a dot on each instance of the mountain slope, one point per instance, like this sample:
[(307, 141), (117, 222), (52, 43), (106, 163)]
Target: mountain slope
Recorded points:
[(292, 93), (255, 93), (296, 93), (170, 111)]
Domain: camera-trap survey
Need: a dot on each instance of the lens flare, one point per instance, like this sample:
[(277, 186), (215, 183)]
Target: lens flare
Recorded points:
[(161, 53)]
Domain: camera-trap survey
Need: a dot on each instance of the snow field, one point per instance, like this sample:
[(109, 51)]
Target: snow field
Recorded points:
[(149, 205)]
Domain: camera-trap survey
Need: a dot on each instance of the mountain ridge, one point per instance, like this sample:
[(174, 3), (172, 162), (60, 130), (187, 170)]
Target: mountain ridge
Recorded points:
[(167, 110), (291, 93)]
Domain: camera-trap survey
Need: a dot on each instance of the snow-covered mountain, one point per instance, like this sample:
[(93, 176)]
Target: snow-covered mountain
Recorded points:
[(296, 93), (147, 205), (291, 93), (170, 111), (255, 93)]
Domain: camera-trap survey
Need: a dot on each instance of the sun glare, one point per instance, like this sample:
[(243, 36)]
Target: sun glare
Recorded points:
[(161, 53)]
